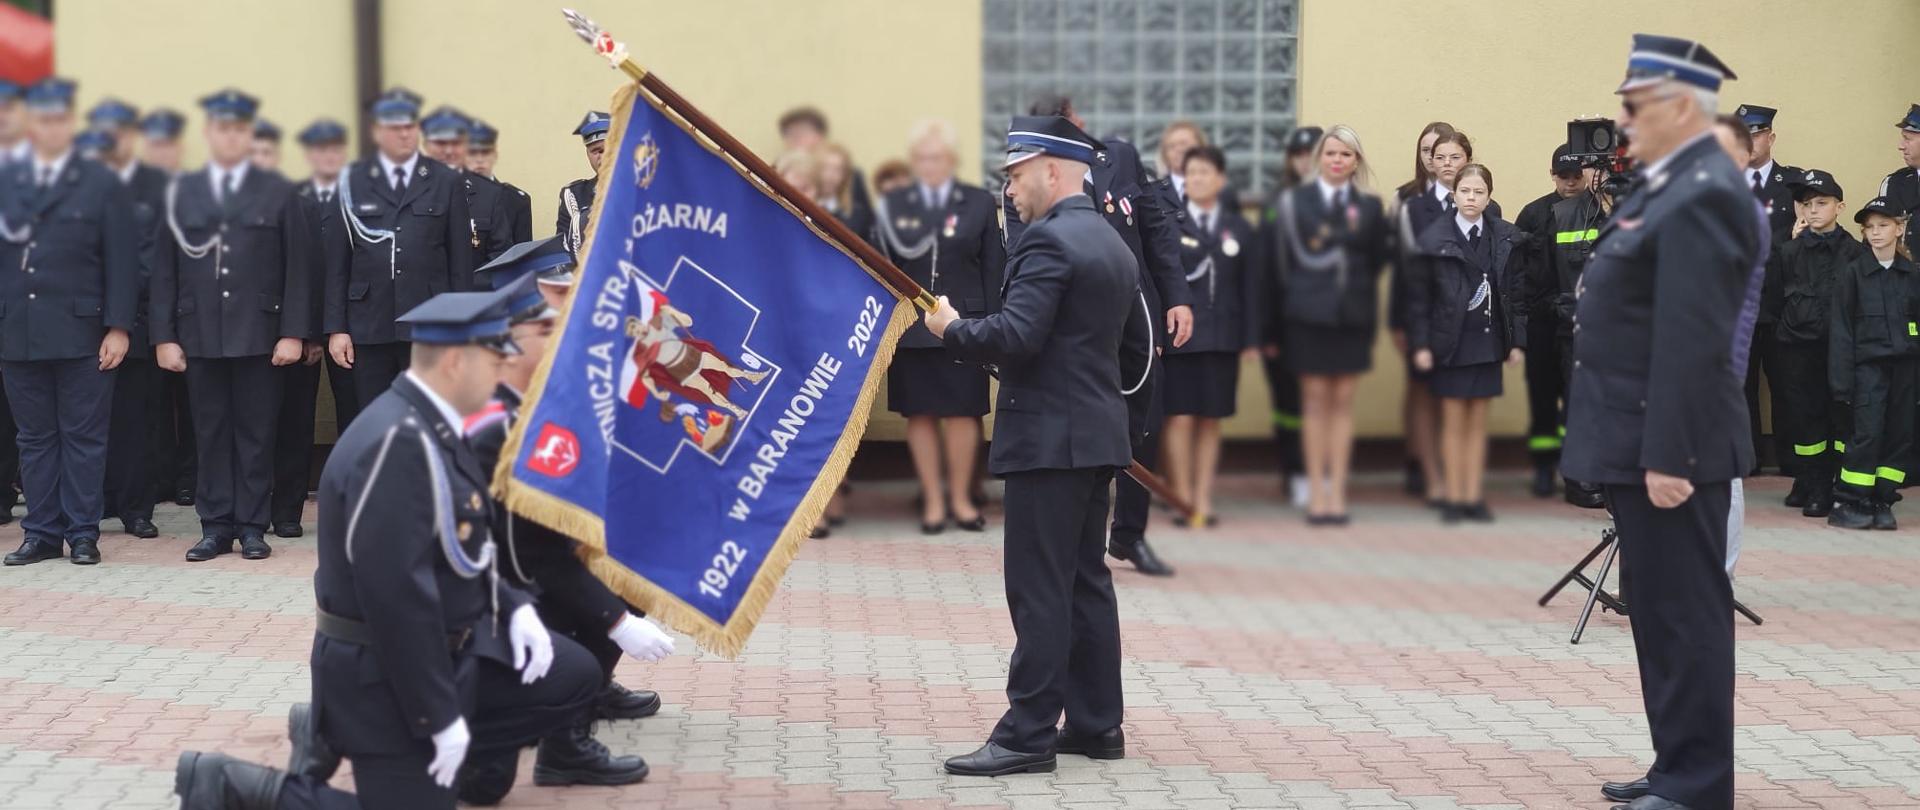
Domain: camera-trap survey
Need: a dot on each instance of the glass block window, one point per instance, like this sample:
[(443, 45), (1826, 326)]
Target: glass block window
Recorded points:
[(1133, 66)]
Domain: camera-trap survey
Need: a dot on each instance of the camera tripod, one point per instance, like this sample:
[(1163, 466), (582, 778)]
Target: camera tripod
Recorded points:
[(1596, 586)]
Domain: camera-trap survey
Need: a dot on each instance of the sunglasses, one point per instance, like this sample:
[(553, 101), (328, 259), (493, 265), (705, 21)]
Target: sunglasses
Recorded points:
[(1633, 107)]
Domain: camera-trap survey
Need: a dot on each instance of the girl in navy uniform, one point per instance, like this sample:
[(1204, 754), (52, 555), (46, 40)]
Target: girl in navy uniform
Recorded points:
[(1874, 366), (1203, 375), (1464, 319), (837, 190), (946, 236), (1331, 240), (1417, 412)]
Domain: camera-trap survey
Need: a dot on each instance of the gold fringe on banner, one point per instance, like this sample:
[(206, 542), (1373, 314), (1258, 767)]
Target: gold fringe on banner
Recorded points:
[(574, 521)]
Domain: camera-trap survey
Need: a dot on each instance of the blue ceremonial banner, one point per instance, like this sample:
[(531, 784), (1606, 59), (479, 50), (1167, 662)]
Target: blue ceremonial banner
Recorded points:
[(709, 383)]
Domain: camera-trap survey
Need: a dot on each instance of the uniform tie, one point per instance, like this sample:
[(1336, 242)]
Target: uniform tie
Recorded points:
[(1339, 198), (399, 179), (1756, 182), (1473, 236), (1447, 203)]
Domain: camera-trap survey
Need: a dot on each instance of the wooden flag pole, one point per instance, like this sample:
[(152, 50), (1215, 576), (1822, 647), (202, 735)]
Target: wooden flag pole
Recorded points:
[(615, 53)]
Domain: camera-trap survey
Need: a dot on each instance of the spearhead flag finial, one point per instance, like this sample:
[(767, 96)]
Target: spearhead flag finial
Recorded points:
[(602, 41)]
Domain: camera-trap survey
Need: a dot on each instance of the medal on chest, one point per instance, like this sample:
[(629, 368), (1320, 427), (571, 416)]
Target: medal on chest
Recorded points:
[(1229, 246), (1109, 200), (1126, 206), (953, 221)]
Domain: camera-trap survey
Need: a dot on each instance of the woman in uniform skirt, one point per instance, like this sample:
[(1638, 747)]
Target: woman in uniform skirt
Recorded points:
[(1331, 239), (1419, 415), (1203, 375), (1464, 318), (946, 236)]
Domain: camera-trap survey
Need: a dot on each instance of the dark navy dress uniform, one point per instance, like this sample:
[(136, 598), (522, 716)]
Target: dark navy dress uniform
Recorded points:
[(9, 448), (233, 281), (1202, 378), (950, 245), (1772, 185), (1146, 213), (1655, 388), (519, 206), (1327, 252), (405, 244), (412, 631), (576, 198), (1902, 188), (74, 245), (1464, 303), (1062, 347), (137, 436)]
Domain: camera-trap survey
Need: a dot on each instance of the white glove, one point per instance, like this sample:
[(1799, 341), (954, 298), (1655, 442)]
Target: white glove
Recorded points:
[(532, 647), (449, 750), (641, 639)]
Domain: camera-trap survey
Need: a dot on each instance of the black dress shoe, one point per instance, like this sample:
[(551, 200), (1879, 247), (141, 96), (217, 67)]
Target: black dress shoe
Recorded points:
[(1883, 517), (1452, 513), (486, 783), (33, 550), (1651, 802), (1586, 496), (1625, 791), (253, 546), (573, 757), (1797, 497), (933, 528), (288, 529), (1416, 482), (1109, 744), (311, 755), (208, 781), (1477, 512), (1142, 557), (84, 551), (183, 496), (977, 524), (819, 532), (992, 760), (141, 527), (211, 545), (617, 702)]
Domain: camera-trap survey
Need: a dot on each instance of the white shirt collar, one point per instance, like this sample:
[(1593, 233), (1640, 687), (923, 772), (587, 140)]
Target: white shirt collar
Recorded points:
[(1194, 210), (1439, 192), (1888, 264), (20, 150), (940, 193), (126, 172), (1766, 173), (387, 166), (1460, 221), (1179, 184), (453, 417), (217, 175), (58, 165), (325, 188), (1655, 168), (1327, 190)]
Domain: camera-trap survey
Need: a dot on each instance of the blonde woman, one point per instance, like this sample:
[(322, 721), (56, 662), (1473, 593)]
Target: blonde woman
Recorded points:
[(1332, 239)]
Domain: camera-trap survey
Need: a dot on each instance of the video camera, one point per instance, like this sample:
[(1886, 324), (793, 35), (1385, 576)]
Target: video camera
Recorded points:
[(1598, 144)]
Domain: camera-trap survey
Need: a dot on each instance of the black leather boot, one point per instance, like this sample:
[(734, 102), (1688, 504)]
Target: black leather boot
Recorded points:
[(573, 757), (1797, 497), (209, 781), (486, 784), (1883, 517), (1543, 478), (1141, 555), (1819, 500), (1852, 515), (311, 755)]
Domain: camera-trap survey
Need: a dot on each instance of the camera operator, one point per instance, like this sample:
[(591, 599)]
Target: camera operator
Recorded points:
[(1657, 414), (1574, 223)]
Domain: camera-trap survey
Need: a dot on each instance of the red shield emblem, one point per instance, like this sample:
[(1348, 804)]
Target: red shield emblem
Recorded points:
[(555, 452)]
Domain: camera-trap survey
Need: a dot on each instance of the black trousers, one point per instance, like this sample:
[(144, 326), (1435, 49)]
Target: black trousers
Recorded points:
[(1674, 577), (1545, 388), (1766, 358), (1804, 412), (62, 408), (9, 452), (179, 458), (236, 401), (1066, 656), (375, 366), (134, 440), (507, 717), (346, 403), (293, 440), (1283, 387), (1879, 455), (1132, 503)]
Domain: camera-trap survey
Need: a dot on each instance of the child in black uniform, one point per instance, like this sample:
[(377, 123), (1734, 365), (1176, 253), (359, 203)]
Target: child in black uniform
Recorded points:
[(1804, 270), (1874, 362)]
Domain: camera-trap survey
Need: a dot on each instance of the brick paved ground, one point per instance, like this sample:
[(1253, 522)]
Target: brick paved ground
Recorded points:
[(1393, 664)]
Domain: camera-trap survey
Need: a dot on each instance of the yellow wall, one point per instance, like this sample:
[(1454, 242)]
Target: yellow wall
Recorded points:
[(875, 66)]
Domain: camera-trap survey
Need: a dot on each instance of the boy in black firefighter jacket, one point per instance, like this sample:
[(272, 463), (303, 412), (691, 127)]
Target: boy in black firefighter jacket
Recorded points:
[(1874, 364), (1805, 269)]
